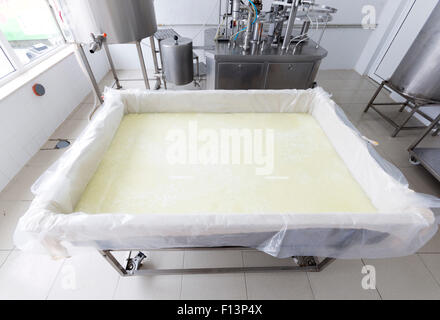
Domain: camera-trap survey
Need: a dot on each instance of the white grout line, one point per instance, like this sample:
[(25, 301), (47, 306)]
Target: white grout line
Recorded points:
[(7, 256), (244, 275), (181, 276), (116, 287), (55, 279), (310, 285)]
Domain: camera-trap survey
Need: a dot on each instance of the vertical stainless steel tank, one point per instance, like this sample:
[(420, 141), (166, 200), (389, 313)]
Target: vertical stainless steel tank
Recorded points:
[(124, 21), (418, 75), (177, 59)]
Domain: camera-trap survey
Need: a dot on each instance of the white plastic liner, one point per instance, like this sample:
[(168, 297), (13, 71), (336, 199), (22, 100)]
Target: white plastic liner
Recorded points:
[(403, 224)]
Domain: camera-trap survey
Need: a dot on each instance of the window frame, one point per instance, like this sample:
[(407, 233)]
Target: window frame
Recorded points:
[(3, 52), (21, 68)]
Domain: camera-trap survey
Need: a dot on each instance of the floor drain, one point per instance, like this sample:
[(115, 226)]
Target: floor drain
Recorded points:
[(62, 144)]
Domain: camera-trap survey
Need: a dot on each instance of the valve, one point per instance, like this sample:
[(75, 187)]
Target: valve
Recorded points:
[(97, 42)]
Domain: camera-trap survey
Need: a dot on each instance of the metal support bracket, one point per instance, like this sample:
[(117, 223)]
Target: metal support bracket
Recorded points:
[(427, 157), (89, 70), (143, 66), (112, 66), (410, 102)]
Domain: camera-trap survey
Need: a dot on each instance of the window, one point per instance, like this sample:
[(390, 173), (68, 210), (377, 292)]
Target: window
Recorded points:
[(6, 66), (28, 30)]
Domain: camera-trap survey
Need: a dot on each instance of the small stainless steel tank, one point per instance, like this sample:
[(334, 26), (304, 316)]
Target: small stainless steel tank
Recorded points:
[(124, 21), (418, 75), (177, 58)]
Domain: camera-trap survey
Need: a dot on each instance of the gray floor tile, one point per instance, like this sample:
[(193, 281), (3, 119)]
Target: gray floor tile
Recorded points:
[(341, 280), (278, 286), (154, 287), (214, 287), (19, 189), (85, 276), (82, 112), (213, 259), (3, 256), (149, 288), (27, 276), (10, 213), (45, 158), (421, 180), (261, 259), (404, 278), (433, 246), (432, 262), (70, 129)]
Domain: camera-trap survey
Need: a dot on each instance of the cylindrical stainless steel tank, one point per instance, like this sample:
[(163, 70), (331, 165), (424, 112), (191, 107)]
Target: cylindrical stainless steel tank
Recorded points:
[(177, 59), (418, 75), (124, 21)]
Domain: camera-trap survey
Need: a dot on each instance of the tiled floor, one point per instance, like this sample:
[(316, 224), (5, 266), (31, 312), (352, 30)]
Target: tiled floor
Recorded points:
[(88, 276)]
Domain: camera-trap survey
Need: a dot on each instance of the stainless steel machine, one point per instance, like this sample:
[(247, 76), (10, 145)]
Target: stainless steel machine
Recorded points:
[(419, 75), (259, 50), (417, 80), (250, 49)]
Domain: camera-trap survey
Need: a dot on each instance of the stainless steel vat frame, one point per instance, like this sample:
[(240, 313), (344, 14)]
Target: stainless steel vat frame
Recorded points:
[(427, 157), (134, 264), (411, 102), (417, 77)]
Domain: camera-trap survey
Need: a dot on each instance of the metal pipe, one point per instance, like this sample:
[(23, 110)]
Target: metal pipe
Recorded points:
[(248, 32), (156, 64), (161, 67), (143, 66), (290, 23), (305, 30), (258, 30), (226, 18), (322, 34), (112, 66), (90, 72), (236, 4)]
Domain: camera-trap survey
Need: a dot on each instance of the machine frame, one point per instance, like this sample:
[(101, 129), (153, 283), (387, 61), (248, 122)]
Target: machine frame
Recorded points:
[(411, 102), (134, 265), (427, 157)]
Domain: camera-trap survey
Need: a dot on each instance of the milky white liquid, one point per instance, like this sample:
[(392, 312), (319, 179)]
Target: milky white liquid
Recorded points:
[(135, 175)]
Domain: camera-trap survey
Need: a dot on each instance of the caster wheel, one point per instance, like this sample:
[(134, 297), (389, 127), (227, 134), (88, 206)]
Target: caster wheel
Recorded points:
[(134, 264), (414, 161), (305, 261)]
